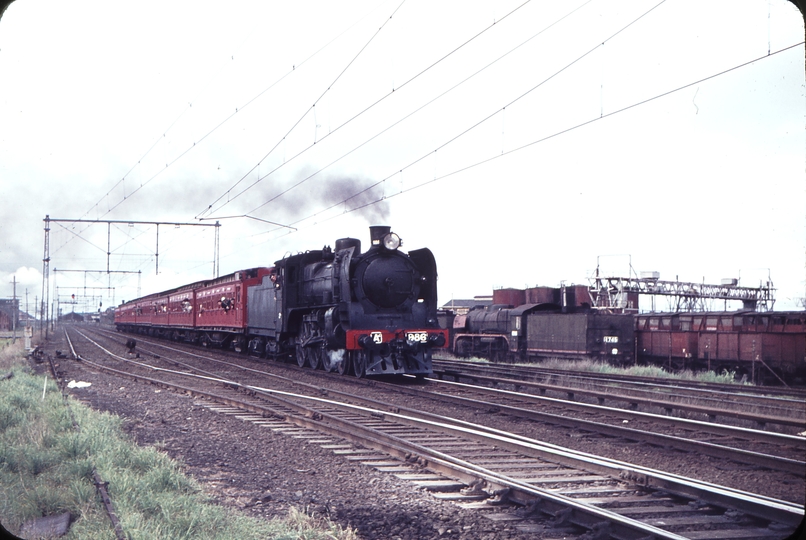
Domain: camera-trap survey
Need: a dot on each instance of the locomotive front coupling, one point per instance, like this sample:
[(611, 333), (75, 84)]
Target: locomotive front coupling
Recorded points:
[(384, 342)]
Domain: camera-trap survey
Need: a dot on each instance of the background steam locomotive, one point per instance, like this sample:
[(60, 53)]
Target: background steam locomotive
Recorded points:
[(542, 322), (547, 322), (337, 309)]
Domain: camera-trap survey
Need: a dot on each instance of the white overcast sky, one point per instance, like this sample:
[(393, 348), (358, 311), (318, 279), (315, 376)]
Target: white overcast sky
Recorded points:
[(520, 141)]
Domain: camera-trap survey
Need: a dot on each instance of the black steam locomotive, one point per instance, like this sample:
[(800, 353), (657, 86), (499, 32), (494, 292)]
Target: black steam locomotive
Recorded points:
[(541, 323), (533, 331), (368, 313)]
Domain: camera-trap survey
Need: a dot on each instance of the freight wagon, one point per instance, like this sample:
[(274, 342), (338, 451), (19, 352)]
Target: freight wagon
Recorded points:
[(761, 345)]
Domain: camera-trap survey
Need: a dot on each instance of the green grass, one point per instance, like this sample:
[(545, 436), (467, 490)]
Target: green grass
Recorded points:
[(640, 371), (46, 468), (726, 377)]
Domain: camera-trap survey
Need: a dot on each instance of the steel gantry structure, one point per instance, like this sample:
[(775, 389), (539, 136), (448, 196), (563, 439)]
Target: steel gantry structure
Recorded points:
[(616, 293), (46, 259)]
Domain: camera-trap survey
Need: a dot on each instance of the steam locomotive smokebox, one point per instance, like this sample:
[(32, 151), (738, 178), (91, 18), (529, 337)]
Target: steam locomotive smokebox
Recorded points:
[(377, 232), (345, 243)]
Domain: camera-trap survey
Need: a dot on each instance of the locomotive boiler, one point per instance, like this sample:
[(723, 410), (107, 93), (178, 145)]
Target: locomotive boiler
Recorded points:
[(365, 313)]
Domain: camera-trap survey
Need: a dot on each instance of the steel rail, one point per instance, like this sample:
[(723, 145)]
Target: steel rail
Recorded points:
[(633, 401), (778, 510), (716, 450), (614, 468), (685, 423), (703, 394), (772, 393), (702, 447), (396, 446)]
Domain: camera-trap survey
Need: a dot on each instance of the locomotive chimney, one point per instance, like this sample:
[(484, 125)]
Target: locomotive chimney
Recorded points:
[(377, 232)]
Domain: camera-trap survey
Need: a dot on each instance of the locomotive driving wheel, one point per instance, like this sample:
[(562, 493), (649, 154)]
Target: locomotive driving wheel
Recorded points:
[(360, 361), (344, 366), (315, 356), (324, 359), (301, 355)]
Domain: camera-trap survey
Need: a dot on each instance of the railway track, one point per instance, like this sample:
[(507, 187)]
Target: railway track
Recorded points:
[(738, 407), (766, 449), (604, 496), (697, 434), (537, 370)]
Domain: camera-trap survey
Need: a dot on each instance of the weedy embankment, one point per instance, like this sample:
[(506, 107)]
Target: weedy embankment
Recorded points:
[(46, 468)]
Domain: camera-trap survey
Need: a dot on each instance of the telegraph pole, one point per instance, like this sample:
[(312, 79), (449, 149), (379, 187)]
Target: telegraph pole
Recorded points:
[(15, 312), (45, 278), (29, 330)]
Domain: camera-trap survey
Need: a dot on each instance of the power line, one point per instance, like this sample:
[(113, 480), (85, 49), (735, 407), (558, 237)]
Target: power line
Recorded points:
[(170, 126), (518, 149), (491, 115), (308, 110), (354, 117), (419, 108), (222, 122), (211, 131)]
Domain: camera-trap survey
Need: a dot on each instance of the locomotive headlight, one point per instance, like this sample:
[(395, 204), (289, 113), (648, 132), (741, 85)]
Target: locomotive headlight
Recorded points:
[(391, 241)]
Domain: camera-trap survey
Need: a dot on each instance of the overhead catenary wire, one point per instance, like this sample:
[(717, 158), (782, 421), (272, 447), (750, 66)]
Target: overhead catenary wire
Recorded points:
[(162, 135), (415, 111), (513, 150), (497, 22), (308, 110), (498, 110), (443, 176), (360, 113)]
